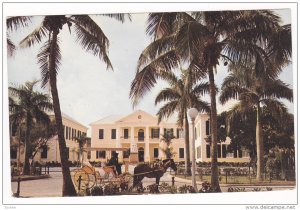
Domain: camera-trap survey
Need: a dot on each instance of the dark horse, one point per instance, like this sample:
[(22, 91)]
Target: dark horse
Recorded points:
[(145, 170)]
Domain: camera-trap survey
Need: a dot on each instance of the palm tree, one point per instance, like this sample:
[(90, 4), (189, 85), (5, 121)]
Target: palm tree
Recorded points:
[(202, 40), (92, 39), (255, 88), (28, 106), (14, 23), (167, 138), (182, 94), (82, 140)]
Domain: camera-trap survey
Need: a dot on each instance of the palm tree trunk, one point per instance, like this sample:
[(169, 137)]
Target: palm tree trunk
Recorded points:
[(26, 166), (68, 187), (214, 143), (259, 144), (187, 146)]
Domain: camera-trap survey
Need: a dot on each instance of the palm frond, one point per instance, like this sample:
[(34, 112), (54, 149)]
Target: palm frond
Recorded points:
[(167, 110), (44, 59), (91, 37), (231, 92), (280, 45), (191, 40), (277, 89), (160, 24), (34, 37), (155, 49), (14, 23), (10, 47), (146, 78), (167, 94), (118, 16), (201, 89)]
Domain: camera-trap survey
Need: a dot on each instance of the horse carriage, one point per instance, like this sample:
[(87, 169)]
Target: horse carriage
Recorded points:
[(87, 177)]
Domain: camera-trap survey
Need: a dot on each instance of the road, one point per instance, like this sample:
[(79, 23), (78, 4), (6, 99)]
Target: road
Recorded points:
[(52, 187)]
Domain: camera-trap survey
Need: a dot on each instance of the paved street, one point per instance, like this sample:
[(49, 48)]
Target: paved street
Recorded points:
[(52, 187)]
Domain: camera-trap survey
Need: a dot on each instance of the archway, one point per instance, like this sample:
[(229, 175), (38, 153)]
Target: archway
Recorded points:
[(141, 154)]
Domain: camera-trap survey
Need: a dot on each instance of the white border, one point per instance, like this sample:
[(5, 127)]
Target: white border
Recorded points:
[(14, 9)]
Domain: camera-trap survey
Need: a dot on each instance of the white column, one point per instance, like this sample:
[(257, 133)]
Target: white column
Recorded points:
[(132, 134), (147, 157), (118, 137), (160, 153)]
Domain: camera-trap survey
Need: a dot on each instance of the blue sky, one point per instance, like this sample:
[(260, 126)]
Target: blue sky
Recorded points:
[(88, 91)]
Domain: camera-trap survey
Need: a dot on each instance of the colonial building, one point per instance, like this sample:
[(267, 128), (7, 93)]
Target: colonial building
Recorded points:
[(140, 133), (50, 152), (203, 146)]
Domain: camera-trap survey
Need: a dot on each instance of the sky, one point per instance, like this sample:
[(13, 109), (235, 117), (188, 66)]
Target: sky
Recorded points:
[(89, 92)]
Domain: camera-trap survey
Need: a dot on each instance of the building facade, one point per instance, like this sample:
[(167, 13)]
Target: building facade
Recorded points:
[(140, 133), (50, 152)]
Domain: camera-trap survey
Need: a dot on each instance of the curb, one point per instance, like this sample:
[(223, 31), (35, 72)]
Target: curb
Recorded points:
[(27, 178)]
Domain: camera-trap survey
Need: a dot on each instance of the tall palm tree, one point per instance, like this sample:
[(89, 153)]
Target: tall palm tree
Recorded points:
[(13, 24), (92, 39), (255, 88), (183, 93), (28, 106), (202, 40)]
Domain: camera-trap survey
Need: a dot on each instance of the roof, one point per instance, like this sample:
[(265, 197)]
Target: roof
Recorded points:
[(111, 119), (67, 117)]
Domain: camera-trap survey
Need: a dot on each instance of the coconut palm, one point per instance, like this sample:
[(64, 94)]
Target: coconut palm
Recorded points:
[(202, 40), (13, 24), (92, 39), (254, 88), (28, 106), (183, 93)]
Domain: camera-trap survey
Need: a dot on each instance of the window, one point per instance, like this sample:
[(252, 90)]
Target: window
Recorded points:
[(125, 133), (13, 152), (126, 153), (207, 127), (181, 152), (155, 133), (72, 134), (224, 151), (208, 151), (179, 133), (113, 133), (100, 154), (101, 133), (199, 152), (67, 152), (141, 135), (169, 132), (219, 151), (67, 132), (155, 152), (44, 152), (64, 131)]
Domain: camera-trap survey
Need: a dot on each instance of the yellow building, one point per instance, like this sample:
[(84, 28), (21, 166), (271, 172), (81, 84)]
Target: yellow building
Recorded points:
[(139, 133), (50, 152)]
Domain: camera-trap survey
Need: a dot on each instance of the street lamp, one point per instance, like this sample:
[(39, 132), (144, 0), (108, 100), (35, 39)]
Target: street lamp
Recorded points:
[(193, 112)]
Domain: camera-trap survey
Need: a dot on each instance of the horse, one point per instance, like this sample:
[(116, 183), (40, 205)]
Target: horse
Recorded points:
[(145, 170)]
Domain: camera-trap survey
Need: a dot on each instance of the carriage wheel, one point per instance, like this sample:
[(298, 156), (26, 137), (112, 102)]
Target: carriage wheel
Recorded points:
[(84, 179)]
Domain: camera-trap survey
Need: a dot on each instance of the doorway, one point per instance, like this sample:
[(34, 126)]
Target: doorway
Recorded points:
[(141, 154)]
